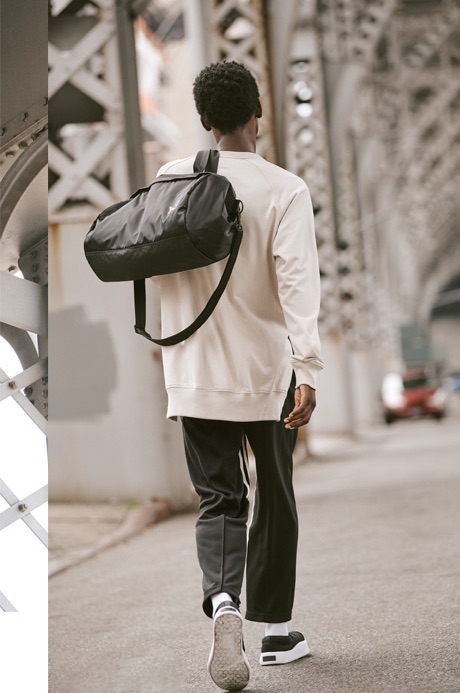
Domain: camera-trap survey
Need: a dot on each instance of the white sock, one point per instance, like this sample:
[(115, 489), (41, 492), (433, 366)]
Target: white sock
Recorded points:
[(277, 629), (218, 598)]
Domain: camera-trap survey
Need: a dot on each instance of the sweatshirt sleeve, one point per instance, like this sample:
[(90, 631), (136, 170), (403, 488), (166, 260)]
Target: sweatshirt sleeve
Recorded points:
[(297, 270)]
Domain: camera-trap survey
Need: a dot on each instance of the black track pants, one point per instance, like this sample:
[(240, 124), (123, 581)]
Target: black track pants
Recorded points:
[(216, 458)]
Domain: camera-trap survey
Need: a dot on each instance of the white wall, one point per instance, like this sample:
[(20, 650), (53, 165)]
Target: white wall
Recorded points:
[(109, 438)]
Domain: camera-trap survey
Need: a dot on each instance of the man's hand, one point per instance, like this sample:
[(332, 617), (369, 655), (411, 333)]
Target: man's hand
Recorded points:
[(305, 402)]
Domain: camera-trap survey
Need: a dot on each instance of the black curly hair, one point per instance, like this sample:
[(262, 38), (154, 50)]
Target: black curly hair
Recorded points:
[(226, 95)]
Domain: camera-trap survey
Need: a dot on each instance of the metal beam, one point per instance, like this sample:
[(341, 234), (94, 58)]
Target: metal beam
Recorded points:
[(5, 604), (27, 406), (129, 89), (27, 377), (31, 157), (21, 509), (23, 304)]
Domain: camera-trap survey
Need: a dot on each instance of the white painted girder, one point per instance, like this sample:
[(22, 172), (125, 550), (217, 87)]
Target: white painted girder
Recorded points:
[(26, 405), (21, 380), (23, 304), (20, 509), (5, 604)]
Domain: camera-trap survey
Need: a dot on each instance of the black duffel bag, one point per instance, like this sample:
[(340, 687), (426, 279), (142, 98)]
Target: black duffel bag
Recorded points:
[(180, 222)]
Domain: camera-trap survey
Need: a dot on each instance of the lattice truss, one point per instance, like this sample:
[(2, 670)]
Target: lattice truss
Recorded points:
[(351, 28), (87, 155), (23, 311), (20, 509), (408, 100), (23, 305), (351, 266), (238, 33), (307, 151)]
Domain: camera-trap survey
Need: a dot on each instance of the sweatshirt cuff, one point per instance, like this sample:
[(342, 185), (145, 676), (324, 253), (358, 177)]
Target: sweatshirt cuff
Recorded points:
[(305, 374)]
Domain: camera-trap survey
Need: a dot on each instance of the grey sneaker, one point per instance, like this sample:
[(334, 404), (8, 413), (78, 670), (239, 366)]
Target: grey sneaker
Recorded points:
[(228, 666), (282, 649)]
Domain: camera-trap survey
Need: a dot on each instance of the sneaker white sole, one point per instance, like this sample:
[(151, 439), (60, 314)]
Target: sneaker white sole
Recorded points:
[(297, 652), (228, 666)]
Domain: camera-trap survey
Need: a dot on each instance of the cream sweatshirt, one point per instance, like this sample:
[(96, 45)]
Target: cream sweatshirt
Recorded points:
[(238, 365)]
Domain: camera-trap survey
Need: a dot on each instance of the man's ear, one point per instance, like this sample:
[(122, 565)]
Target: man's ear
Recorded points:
[(258, 112), (206, 125)]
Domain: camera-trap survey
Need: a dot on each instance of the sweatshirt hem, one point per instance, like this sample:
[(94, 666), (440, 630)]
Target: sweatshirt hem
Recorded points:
[(225, 405)]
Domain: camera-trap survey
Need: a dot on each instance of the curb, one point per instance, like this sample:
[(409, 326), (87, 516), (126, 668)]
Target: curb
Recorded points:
[(136, 520)]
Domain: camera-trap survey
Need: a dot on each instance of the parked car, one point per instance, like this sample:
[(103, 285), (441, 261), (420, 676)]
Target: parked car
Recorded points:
[(412, 395)]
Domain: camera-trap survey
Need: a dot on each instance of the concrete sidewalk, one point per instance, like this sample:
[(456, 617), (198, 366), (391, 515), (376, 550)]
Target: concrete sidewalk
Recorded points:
[(79, 531), (377, 595)]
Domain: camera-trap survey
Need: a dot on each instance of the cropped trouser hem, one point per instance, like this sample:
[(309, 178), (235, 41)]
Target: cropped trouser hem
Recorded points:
[(268, 618)]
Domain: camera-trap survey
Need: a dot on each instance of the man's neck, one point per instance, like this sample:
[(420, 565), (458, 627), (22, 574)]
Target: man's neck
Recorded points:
[(238, 141)]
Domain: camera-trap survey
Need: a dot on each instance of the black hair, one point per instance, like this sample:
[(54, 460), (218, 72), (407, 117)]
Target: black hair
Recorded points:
[(226, 95)]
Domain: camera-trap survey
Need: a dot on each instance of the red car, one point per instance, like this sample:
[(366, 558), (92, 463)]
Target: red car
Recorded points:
[(412, 395)]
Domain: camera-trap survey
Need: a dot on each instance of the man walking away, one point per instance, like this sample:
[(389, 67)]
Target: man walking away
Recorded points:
[(247, 375)]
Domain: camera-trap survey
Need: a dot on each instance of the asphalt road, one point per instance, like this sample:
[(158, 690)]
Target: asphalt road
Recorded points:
[(377, 596)]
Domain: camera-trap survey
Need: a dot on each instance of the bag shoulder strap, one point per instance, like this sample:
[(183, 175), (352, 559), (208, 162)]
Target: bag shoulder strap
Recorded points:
[(206, 160), (139, 301)]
